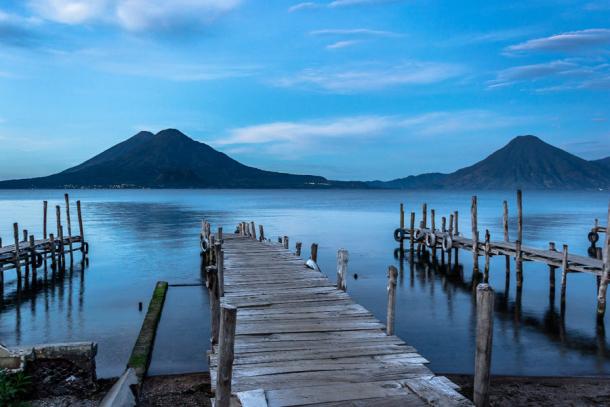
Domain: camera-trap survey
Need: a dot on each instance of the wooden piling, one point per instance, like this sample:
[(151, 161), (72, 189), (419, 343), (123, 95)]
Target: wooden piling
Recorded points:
[(424, 210), (552, 271), (219, 234), (475, 232), (33, 259), (342, 259), (487, 256), (519, 263), (519, 215), (261, 232), (212, 276), (402, 216), (412, 231), (314, 252), (45, 204), (285, 242), (564, 274), (26, 258), (220, 267), (603, 285), (484, 337), (392, 277), (505, 221), (17, 259), (253, 230), (67, 198), (81, 229), (228, 321), (53, 254), (298, 248), (433, 220)]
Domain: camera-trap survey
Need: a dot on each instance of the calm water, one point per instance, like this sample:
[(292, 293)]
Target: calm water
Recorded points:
[(139, 237)]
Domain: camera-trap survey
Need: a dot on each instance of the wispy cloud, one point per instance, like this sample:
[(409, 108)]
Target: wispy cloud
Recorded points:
[(370, 78), (354, 32), (338, 4), (281, 137), (181, 72), (18, 31), (342, 44), (134, 15), (557, 75), (572, 41)]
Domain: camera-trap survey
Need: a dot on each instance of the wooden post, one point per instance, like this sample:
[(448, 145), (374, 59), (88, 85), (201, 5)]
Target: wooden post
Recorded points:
[(62, 249), (81, 228), (412, 231), (33, 259), (450, 234), (220, 267), (552, 276), (456, 229), (53, 258), (505, 221), (443, 225), (67, 198), (519, 263), (253, 230), (314, 252), (564, 274), (298, 248), (484, 336), (17, 259), (519, 216), (285, 242), (603, 284), (25, 235), (342, 259), (219, 234), (402, 216), (432, 220), (392, 276), (487, 255), (228, 321), (26, 258), (475, 232), (212, 275), (424, 210), (261, 232), (45, 204)]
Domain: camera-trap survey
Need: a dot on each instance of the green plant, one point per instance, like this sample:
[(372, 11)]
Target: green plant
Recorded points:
[(13, 388)]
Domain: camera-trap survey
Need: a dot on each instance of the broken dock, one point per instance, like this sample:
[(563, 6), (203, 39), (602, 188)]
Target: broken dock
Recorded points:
[(283, 335)]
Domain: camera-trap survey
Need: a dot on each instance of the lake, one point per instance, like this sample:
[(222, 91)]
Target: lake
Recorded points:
[(138, 237)]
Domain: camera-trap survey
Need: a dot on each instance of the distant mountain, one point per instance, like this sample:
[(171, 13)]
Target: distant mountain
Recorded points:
[(525, 162), (168, 159)]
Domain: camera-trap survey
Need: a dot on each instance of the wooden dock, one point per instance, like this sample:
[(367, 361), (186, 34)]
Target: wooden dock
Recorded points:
[(299, 340)]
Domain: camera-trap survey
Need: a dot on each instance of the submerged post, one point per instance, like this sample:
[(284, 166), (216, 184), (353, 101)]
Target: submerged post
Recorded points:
[(603, 285), (228, 321), (298, 248), (342, 259), (484, 336), (392, 276), (314, 252)]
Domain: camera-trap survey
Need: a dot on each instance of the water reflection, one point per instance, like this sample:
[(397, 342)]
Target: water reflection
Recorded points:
[(424, 267)]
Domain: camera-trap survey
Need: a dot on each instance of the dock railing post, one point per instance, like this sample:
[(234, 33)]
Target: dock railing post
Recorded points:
[(392, 277), (299, 245), (17, 259), (212, 275), (484, 336), (603, 285), (342, 259), (314, 252), (228, 321)]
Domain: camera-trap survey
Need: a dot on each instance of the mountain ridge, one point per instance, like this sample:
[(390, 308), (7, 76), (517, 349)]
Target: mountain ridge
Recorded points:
[(171, 159)]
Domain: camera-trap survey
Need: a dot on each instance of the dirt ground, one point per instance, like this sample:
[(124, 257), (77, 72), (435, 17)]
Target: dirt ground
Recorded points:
[(542, 391), (176, 390)]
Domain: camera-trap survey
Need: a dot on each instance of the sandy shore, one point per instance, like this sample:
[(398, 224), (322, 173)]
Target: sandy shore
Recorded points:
[(542, 391)]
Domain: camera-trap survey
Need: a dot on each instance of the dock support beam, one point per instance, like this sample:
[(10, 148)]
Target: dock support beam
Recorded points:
[(342, 259), (392, 277), (484, 336), (228, 321)]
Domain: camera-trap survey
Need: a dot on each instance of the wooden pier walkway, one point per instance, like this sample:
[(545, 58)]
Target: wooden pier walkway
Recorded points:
[(301, 341)]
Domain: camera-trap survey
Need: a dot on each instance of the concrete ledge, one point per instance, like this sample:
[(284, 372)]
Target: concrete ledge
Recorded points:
[(142, 350), (121, 395)]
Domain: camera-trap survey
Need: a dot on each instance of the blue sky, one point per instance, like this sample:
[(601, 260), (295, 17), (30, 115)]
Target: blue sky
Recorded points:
[(347, 89)]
